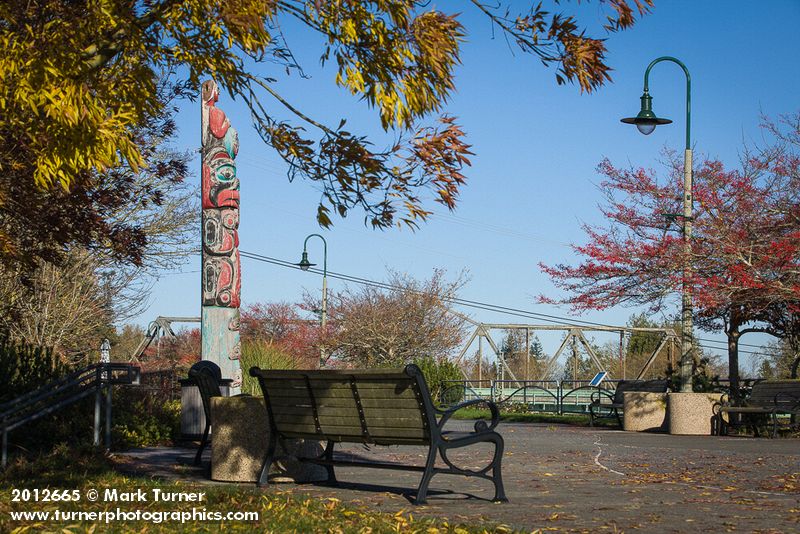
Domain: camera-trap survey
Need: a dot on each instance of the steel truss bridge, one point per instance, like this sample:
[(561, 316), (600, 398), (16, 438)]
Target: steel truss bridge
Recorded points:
[(575, 340)]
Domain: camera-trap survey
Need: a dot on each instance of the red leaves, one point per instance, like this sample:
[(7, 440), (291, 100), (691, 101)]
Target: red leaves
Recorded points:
[(279, 323), (440, 155), (745, 245)]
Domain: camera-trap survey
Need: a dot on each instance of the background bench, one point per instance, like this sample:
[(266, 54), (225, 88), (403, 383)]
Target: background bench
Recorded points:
[(605, 404), (386, 407), (769, 398)]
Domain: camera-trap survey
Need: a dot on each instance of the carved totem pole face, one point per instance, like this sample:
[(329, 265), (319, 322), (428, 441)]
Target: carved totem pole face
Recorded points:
[(220, 203), (221, 277), (220, 146)]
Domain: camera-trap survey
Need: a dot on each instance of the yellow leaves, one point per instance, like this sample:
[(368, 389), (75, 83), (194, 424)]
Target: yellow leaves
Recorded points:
[(70, 121), (331, 504), (348, 32), (403, 66)]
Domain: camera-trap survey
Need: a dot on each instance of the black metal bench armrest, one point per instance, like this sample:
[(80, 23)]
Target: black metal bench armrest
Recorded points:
[(597, 396), (480, 426), (723, 402)]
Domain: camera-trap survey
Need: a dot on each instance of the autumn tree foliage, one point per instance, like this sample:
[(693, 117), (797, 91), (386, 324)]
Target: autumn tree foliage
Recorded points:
[(79, 78), (63, 308), (745, 248), (172, 353), (390, 327), (67, 296), (282, 325), (123, 213)]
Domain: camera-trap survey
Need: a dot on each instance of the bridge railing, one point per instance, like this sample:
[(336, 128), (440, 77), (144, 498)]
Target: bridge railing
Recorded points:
[(551, 396)]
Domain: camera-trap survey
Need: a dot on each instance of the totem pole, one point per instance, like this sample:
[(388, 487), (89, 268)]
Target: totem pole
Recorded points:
[(221, 277)]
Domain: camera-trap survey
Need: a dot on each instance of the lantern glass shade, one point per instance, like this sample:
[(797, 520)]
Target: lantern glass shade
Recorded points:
[(646, 127)]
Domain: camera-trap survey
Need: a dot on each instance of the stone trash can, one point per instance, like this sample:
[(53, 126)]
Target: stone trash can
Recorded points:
[(645, 411), (241, 432), (692, 413)]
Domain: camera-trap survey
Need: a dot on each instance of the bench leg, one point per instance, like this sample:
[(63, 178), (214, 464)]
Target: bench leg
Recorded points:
[(497, 477), (329, 458), (270, 455), (422, 492), (754, 420), (774, 425), (203, 442)]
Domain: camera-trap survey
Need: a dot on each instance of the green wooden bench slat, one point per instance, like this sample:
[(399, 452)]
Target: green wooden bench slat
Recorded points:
[(373, 422), (337, 395), (352, 430), (281, 419)]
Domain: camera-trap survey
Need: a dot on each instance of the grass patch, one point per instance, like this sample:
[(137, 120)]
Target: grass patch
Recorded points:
[(528, 417), (86, 469)]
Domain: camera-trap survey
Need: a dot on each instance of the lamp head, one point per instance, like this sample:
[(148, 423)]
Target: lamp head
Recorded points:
[(105, 351), (304, 263), (646, 121)]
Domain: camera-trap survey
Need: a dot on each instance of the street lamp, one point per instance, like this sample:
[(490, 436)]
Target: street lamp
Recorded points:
[(105, 351), (646, 121), (304, 264)]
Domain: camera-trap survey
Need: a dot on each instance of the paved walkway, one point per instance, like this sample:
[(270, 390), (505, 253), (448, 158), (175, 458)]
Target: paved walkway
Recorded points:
[(575, 478)]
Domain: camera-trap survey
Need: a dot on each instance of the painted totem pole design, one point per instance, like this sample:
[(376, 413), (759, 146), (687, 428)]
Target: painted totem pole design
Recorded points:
[(221, 276)]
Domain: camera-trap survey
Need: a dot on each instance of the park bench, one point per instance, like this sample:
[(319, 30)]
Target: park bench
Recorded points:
[(604, 404), (769, 398), (384, 407)]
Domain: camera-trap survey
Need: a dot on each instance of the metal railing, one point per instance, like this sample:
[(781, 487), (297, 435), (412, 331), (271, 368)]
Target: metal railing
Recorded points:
[(551, 396), (94, 379)]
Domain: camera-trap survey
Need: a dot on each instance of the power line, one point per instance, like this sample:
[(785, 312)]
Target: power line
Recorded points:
[(471, 303)]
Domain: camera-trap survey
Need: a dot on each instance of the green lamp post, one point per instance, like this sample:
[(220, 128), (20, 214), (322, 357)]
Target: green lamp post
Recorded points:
[(646, 121), (304, 264)]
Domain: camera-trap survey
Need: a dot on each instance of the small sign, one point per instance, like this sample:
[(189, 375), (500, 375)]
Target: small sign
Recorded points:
[(599, 377)]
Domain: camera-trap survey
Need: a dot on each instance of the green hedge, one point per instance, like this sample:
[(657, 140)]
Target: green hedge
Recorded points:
[(24, 367)]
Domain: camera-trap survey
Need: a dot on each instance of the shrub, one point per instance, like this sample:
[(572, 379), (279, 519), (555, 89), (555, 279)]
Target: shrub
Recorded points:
[(436, 372), (24, 368), (702, 380), (265, 355), (141, 422), (140, 417)]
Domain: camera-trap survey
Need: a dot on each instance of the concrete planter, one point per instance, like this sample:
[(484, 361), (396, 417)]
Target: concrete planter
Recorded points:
[(241, 429), (692, 413), (645, 412)]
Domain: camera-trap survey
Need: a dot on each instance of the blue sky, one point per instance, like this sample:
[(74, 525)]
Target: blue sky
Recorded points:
[(533, 180)]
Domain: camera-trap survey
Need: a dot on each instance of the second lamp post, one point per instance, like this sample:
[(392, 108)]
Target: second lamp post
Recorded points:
[(304, 264), (646, 121)]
